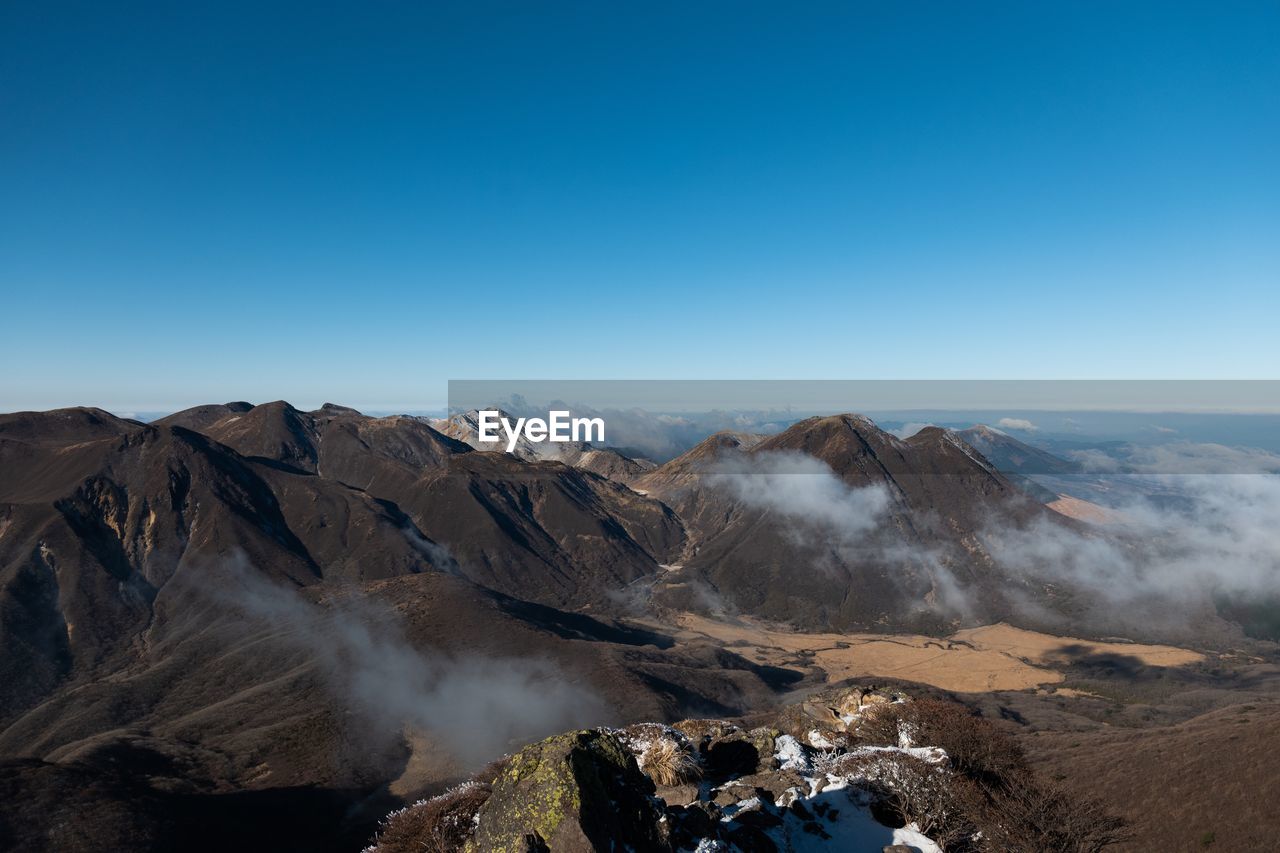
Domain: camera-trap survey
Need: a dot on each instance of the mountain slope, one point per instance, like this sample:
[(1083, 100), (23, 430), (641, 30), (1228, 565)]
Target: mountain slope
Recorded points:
[(193, 605), (1010, 455), (246, 718), (879, 533), (543, 531), (90, 533)]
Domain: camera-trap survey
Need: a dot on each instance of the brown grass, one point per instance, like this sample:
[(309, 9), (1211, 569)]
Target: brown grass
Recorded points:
[(1209, 777), (668, 763), (1052, 650), (976, 660), (1037, 815)]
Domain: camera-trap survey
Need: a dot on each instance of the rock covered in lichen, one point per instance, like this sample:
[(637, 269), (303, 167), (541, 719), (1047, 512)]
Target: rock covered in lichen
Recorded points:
[(580, 791)]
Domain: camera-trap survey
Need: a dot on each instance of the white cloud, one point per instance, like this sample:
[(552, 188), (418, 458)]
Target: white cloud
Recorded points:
[(1017, 423), (1220, 538), (803, 488), (908, 430), (1178, 458), (1153, 571)]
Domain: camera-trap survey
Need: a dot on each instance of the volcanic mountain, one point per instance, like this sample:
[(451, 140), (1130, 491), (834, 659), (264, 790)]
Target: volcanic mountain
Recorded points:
[(539, 530), (891, 543)]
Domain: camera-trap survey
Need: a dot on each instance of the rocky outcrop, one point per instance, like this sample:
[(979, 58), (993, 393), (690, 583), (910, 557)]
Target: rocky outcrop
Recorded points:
[(724, 787), (574, 792), (917, 775)]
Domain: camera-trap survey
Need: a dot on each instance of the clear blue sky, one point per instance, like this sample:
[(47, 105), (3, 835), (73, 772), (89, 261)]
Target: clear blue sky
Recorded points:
[(355, 202)]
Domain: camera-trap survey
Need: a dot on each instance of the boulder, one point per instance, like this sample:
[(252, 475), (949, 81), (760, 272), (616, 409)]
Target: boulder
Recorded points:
[(571, 793), (700, 732), (697, 820), (770, 786), (734, 752), (848, 704), (677, 795)]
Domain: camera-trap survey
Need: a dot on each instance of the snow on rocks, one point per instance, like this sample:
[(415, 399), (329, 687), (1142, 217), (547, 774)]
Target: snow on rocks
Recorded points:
[(817, 740), (639, 737), (817, 797), (791, 755)]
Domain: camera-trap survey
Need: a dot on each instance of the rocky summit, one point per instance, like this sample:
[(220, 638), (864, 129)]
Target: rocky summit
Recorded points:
[(852, 769)]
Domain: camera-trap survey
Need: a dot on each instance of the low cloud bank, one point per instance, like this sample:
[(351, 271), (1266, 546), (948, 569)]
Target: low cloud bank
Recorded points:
[(803, 490), (1195, 518), (833, 521), (1017, 423), (1219, 539), (476, 706), (1179, 458)]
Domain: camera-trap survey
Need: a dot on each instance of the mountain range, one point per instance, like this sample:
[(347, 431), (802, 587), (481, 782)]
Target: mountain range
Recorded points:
[(180, 598)]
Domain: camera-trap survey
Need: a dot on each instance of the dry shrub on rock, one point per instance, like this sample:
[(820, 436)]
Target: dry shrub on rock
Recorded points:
[(669, 763), (439, 825), (991, 789)]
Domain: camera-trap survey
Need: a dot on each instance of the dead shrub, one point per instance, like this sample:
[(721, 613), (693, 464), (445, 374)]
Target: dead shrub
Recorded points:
[(993, 786), (975, 747), (943, 804), (880, 724), (669, 763), (439, 825), (1039, 816)]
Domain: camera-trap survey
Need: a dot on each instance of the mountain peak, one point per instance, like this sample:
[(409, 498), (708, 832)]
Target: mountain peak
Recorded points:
[(335, 409)]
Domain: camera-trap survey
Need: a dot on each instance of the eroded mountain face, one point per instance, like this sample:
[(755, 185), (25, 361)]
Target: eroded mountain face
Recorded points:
[(198, 602)]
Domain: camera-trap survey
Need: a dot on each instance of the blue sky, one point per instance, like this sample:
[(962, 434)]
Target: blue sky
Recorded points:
[(355, 202)]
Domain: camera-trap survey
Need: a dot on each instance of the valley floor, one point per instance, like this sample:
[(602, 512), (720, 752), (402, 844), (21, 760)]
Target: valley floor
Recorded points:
[(974, 660), (1184, 744)]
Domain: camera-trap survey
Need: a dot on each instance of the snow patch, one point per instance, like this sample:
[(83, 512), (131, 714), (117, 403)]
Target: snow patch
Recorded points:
[(791, 755), (818, 741)]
